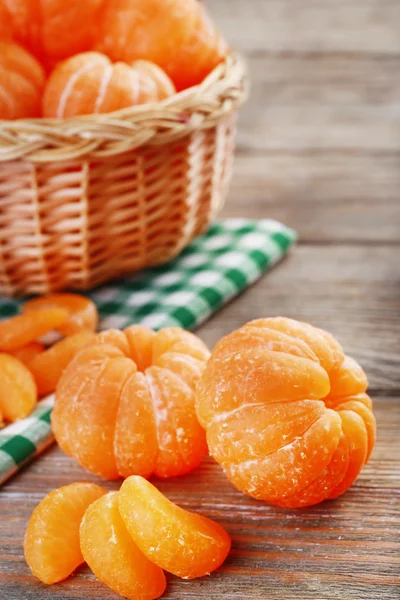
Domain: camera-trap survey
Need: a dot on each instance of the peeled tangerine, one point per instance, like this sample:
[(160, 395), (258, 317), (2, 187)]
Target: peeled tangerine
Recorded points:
[(52, 548), (286, 412), (18, 392), (82, 312), (21, 83), (181, 542), (125, 405), (89, 83), (177, 35), (53, 29)]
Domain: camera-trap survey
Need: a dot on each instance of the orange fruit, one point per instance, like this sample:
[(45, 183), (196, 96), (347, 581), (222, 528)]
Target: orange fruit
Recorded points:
[(5, 23), (21, 330), (54, 29), (18, 393), (28, 352), (286, 412), (125, 405), (82, 312), (89, 83), (113, 556), (177, 35), (181, 542), (48, 366), (21, 83), (51, 545)]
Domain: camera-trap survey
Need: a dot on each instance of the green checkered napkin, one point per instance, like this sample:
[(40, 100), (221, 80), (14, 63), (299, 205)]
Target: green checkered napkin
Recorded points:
[(211, 271)]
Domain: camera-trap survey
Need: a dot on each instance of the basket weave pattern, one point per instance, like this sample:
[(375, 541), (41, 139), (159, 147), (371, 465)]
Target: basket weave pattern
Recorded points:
[(88, 199)]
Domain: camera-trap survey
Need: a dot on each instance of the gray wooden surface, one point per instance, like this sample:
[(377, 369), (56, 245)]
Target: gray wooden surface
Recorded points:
[(319, 147)]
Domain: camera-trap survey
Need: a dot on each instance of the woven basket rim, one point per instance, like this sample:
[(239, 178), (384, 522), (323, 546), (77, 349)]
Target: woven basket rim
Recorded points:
[(101, 135)]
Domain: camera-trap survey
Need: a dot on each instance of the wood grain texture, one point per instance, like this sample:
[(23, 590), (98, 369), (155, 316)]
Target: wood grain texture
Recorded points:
[(319, 149)]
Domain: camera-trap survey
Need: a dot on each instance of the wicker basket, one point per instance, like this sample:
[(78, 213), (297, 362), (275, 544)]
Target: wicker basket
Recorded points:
[(88, 199)]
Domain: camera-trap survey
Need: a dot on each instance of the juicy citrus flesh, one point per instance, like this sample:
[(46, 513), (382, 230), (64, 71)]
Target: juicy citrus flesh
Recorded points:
[(186, 544), (52, 547), (21, 82), (117, 419), (21, 330), (113, 556), (286, 413), (18, 392), (48, 366), (155, 29), (82, 312), (53, 29), (89, 83)]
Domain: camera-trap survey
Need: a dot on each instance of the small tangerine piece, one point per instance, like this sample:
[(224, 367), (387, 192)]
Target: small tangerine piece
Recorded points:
[(114, 557), (48, 366), (18, 392), (82, 312), (52, 548), (181, 542), (27, 353), (22, 82), (21, 330), (89, 83)]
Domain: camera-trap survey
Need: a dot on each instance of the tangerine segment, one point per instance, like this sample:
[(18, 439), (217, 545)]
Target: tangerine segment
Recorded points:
[(114, 557), (48, 366), (177, 35), (140, 340), (54, 29), (85, 411), (21, 83), (27, 353), (89, 83), (82, 312), (21, 330), (287, 426), (18, 393), (51, 544), (181, 542)]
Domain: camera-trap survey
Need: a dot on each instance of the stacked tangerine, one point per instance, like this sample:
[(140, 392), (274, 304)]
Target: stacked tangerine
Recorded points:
[(62, 59)]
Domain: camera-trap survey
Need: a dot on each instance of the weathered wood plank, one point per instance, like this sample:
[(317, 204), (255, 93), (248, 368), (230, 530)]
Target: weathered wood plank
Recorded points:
[(362, 26), (352, 291), (326, 196), (350, 544)]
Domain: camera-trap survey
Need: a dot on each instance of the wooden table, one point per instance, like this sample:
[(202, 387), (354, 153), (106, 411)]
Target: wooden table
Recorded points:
[(319, 149)]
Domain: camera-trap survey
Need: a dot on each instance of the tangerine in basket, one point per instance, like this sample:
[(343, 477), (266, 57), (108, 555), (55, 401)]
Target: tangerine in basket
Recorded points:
[(54, 29), (21, 83), (89, 83), (82, 312), (125, 405), (52, 547), (21, 330), (18, 392), (181, 542), (177, 35), (286, 412), (48, 366), (114, 557)]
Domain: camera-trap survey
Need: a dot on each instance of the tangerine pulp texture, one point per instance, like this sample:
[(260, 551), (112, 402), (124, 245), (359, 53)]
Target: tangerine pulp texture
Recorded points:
[(48, 366), (52, 548), (21, 330), (21, 83), (177, 35), (117, 420), (113, 556), (82, 312), (18, 392), (89, 83), (286, 412), (181, 542)]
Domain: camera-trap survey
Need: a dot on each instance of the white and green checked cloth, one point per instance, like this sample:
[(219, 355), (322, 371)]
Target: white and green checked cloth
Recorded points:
[(184, 292)]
